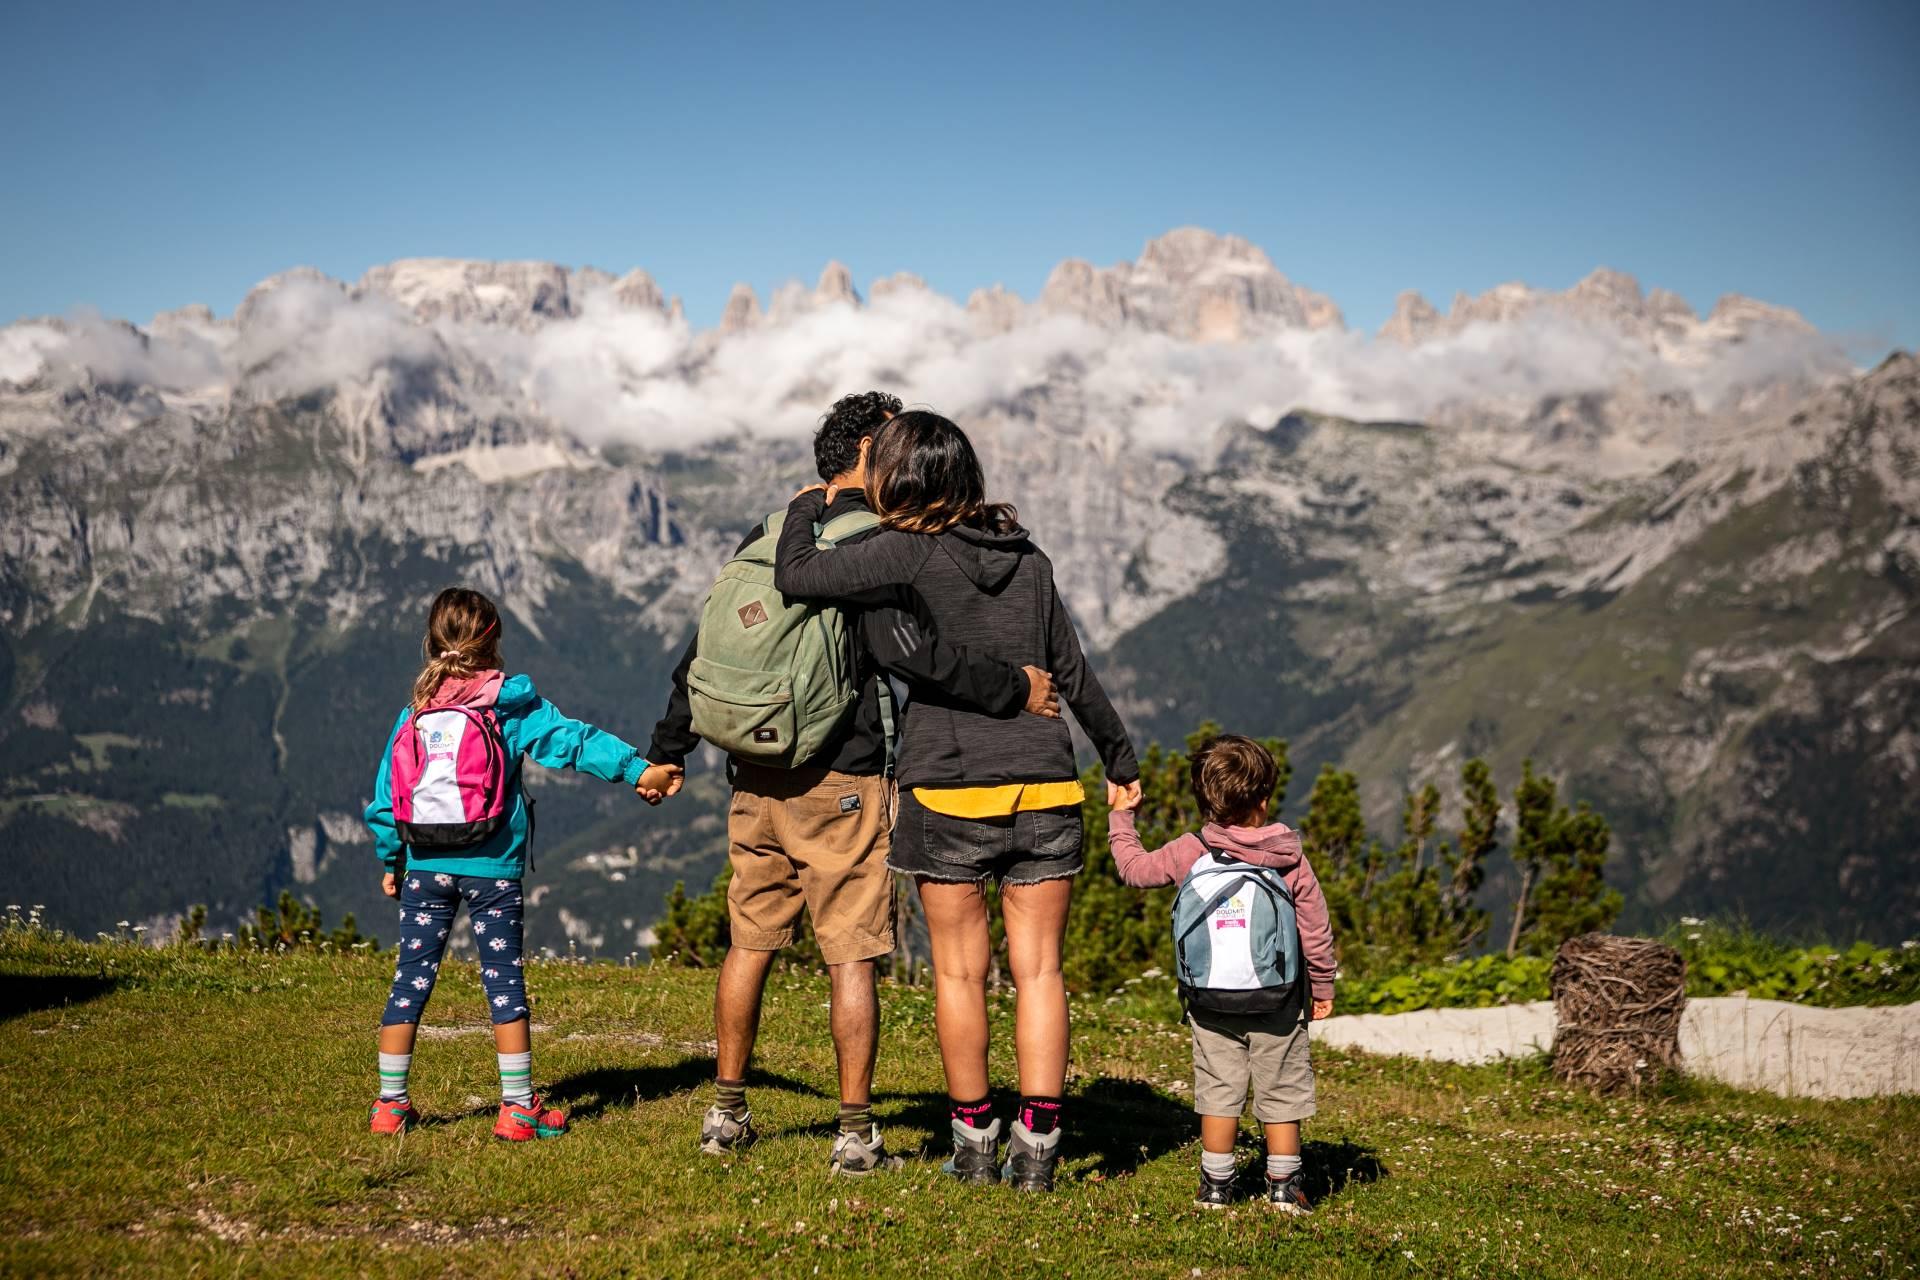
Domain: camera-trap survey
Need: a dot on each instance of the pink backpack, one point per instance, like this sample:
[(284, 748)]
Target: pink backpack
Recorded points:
[(449, 777)]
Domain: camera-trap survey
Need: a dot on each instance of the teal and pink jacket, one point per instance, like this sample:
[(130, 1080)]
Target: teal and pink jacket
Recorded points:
[(530, 726)]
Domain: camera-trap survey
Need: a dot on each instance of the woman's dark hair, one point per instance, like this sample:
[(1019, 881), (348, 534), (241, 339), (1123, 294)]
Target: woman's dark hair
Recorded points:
[(923, 476), (836, 445), (1233, 779)]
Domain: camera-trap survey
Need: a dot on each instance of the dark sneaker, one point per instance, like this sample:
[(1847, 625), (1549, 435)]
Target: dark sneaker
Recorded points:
[(858, 1154), (975, 1153), (1030, 1159), (1288, 1195), (1214, 1195), (722, 1133)]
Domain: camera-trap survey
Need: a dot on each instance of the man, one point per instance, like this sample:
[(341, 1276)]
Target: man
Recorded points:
[(816, 836)]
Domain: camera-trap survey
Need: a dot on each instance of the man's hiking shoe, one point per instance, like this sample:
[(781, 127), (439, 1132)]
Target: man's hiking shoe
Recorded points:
[(521, 1122), (391, 1117), (857, 1154), (1030, 1159), (1214, 1194), (722, 1133), (975, 1154), (1288, 1195)]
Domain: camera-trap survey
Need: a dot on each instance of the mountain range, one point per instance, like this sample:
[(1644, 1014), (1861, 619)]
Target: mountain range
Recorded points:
[(1670, 557)]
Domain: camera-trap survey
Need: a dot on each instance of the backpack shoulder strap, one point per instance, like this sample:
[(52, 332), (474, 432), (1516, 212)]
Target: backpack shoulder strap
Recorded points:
[(841, 527)]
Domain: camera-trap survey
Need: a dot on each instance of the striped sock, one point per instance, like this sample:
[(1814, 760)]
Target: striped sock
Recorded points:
[(731, 1097), (516, 1077), (393, 1076)]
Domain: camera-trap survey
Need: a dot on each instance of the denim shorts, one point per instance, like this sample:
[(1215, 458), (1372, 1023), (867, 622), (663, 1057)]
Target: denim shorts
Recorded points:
[(1017, 848)]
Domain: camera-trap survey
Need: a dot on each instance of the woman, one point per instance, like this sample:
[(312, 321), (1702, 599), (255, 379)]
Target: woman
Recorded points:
[(982, 798)]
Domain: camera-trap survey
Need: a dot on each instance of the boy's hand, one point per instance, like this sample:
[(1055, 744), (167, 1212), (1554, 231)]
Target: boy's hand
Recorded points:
[(390, 885), (1042, 698), (1124, 798), (659, 781), (1322, 1009)]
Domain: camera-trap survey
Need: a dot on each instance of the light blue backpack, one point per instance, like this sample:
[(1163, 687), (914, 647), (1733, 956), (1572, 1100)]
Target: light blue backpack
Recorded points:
[(1236, 940)]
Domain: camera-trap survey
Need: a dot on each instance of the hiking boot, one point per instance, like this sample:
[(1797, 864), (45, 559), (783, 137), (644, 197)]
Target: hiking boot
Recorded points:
[(522, 1122), (1214, 1194), (723, 1134), (390, 1116), (858, 1154), (1288, 1195), (1030, 1159), (974, 1154)]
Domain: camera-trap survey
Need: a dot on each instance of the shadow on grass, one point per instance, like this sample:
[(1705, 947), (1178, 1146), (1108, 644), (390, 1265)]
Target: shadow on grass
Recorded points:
[(1120, 1124), (1331, 1167), (586, 1094), (29, 993)]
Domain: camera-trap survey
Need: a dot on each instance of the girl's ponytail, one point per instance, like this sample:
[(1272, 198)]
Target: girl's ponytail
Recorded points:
[(463, 637)]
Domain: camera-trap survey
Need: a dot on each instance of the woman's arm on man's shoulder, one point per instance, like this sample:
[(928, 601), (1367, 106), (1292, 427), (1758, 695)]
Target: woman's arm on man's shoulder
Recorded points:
[(854, 571)]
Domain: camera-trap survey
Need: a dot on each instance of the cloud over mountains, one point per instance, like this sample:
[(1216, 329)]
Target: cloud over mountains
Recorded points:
[(1201, 330)]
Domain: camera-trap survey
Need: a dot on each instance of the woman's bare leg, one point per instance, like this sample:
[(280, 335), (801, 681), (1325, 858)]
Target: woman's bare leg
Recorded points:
[(957, 927), (1036, 916)]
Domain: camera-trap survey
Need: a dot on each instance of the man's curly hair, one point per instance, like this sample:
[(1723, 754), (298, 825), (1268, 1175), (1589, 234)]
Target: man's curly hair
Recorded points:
[(836, 445)]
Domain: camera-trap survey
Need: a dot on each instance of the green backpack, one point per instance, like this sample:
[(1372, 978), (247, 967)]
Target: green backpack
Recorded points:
[(773, 679)]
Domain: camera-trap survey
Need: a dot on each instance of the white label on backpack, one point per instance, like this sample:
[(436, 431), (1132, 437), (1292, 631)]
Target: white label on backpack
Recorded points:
[(436, 797), (1229, 937)]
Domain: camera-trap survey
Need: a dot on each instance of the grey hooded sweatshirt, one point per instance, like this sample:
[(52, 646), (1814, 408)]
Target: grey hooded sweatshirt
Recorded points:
[(993, 594)]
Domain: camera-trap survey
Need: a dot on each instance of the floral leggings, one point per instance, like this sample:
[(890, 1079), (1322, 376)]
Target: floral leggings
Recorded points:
[(427, 903)]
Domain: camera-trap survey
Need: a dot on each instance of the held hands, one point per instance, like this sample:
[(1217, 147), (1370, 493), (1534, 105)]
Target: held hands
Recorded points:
[(660, 781), (390, 885), (1124, 798), (1322, 1009), (1042, 698)]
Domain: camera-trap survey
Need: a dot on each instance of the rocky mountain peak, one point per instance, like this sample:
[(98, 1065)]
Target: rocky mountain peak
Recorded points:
[(520, 295), (1192, 284), (742, 310), (836, 285), (1413, 319)]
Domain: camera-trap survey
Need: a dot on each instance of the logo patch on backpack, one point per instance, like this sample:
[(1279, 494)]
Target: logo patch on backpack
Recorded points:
[(766, 735), (752, 615), (849, 804)]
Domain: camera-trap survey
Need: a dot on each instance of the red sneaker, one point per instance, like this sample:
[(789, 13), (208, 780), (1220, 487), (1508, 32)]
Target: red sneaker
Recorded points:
[(518, 1123), (392, 1117)]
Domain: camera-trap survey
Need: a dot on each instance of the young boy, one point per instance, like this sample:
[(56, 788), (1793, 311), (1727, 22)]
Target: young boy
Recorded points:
[(1232, 779)]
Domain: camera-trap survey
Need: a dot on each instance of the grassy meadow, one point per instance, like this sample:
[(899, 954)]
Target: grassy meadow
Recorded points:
[(205, 1114)]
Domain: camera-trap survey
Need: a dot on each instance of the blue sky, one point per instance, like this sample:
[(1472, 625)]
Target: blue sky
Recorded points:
[(164, 154)]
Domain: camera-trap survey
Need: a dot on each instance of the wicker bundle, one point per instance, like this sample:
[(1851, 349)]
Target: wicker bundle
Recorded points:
[(1618, 1003)]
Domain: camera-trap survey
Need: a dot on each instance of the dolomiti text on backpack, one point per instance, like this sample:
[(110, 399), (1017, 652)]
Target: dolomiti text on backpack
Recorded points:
[(1236, 941)]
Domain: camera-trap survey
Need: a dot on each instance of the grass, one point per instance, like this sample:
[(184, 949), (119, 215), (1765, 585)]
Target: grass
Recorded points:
[(205, 1113)]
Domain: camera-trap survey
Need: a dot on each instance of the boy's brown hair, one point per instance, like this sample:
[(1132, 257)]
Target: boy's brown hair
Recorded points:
[(1233, 778)]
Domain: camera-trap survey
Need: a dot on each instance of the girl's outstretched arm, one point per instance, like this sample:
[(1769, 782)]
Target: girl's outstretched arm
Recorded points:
[(557, 742), (854, 571)]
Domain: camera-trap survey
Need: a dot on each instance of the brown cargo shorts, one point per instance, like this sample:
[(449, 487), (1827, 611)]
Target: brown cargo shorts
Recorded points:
[(816, 839), (1265, 1052)]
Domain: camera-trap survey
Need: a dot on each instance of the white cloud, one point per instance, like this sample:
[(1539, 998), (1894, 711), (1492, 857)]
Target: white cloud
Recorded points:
[(618, 374)]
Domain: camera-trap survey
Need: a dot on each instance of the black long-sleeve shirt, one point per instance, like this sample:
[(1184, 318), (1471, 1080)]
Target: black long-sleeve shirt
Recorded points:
[(993, 593), (892, 633)]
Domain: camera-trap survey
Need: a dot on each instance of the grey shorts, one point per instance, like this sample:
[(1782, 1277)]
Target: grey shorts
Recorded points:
[(1019, 848), (1265, 1052)]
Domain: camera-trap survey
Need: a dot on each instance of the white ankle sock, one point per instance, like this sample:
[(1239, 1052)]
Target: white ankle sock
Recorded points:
[(393, 1076), (1217, 1165), (516, 1077), (1280, 1168)]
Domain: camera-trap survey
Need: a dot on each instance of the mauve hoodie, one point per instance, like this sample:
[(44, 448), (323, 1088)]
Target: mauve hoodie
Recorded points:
[(1274, 845)]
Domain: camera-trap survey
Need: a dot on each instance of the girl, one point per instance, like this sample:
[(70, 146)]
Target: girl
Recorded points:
[(983, 797), (462, 830)]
